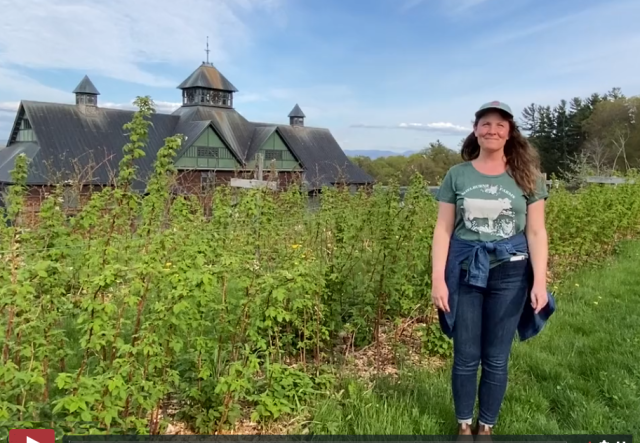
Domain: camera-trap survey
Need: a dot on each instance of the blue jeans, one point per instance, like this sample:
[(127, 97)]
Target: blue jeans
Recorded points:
[(485, 327)]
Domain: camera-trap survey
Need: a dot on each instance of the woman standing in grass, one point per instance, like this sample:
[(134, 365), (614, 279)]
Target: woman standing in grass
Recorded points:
[(489, 258)]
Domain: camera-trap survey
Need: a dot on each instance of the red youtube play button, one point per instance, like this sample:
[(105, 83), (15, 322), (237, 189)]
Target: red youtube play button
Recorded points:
[(32, 436)]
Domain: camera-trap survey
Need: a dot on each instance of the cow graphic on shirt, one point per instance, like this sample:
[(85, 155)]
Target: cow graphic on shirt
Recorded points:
[(493, 216)]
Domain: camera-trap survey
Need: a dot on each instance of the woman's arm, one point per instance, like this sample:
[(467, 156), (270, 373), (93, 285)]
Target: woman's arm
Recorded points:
[(441, 237), (536, 233), (439, 253)]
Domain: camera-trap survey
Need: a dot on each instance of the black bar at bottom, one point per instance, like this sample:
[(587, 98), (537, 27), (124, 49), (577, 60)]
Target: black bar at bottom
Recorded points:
[(573, 438)]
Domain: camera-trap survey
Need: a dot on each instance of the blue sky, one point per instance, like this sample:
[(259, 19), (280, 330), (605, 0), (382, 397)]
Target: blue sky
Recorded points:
[(381, 74)]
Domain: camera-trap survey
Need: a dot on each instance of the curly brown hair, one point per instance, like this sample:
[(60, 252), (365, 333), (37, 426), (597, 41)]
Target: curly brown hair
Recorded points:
[(523, 160)]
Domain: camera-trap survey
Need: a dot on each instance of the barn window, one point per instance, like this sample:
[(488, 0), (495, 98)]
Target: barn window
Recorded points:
[(207, 151), (273, 154)]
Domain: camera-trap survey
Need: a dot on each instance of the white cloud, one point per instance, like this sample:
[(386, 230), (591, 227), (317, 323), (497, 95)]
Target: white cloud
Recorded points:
[(436, 127), (463, 5), (444, 128), (10, 107), (451, 6), (116, 38), (162, 107), (410, 4)]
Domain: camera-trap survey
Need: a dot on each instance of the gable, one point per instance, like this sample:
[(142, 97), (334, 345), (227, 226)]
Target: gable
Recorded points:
[(232, 128), (207, 152), (22, 130), (275, 152)]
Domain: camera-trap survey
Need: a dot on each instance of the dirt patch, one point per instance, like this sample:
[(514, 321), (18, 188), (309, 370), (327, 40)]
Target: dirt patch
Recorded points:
[(177, 428), (398, 346), (242, 427)]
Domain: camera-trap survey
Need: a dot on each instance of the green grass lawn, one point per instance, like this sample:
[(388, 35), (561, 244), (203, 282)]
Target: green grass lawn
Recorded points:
[(581, 375)]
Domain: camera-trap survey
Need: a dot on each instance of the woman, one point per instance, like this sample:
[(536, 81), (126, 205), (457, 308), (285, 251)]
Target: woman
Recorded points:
[(489, 257)]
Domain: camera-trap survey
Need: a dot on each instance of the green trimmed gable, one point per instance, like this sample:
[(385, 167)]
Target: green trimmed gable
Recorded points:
[(208, 152), (275, 149), (23, 131)]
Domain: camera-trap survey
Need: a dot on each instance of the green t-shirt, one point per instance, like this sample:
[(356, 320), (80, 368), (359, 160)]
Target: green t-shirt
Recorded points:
[(488, 207)]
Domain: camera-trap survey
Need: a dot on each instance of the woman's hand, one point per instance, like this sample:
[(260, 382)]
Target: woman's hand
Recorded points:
[(440, 295), (539, 297)]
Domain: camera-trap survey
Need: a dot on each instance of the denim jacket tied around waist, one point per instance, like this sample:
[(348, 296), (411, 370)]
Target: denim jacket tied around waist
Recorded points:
[(477, 253)]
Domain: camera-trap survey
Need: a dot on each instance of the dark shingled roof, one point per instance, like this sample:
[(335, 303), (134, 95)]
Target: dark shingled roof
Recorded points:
[(71, 137), (324, 161), (191, 131), (86, 87), (206, 76), (8, 155), (92, 140), (296, 112)]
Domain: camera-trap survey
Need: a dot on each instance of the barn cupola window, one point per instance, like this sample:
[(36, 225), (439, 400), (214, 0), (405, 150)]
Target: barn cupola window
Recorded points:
[(206, 86), (296, 116), (86, 93)]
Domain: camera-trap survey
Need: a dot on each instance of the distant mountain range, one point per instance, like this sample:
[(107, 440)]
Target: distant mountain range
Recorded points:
[(375, 153)]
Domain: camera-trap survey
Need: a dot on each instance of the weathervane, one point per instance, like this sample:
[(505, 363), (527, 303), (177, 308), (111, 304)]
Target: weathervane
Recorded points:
[(207, 50)]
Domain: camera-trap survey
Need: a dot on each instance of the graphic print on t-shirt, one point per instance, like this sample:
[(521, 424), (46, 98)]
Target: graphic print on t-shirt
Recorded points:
[(492, 215)]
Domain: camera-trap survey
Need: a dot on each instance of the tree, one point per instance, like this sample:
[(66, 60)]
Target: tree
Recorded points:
[(613, 123), (530, 119), (596, 155), (436, 160), (559, 133), (432, 163)]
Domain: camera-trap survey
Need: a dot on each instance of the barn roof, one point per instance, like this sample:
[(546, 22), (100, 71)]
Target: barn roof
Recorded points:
[(71, 138)]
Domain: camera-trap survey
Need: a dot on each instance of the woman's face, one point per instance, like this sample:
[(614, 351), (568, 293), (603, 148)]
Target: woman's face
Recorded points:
[(492, 131)]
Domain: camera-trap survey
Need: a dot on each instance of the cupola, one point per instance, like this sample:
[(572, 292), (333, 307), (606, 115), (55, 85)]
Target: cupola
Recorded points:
[(296, 116), (86, 93), (206, 86)]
